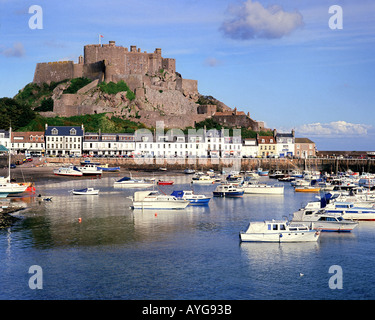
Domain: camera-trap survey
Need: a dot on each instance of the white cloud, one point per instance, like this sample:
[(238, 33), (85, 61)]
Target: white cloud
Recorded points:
[(16, 51), (334, 129), (251, 20), (212, 62)]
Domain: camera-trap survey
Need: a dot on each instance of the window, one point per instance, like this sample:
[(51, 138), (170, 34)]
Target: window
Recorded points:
[(54, 131), (73, 131), (275, 227), (282, 227)]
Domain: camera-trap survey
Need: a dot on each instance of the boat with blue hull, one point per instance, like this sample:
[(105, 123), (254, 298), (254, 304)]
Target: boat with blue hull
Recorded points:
[(228, 191), (194, 199)]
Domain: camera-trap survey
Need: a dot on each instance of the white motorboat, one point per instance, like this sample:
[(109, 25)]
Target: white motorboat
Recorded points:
[(127, 182), (155, 200), (189, 171), (351, 212), (279, 231), (228, 191), (68, 171), (194, 199), (263, 188), (85, 191), (90, 169), (323, 221), (300, 183), (203, 179)]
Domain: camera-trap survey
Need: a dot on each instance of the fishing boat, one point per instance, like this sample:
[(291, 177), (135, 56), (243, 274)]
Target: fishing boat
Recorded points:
[(106, 168), (90, 169), (228, 191), (155, 200), (279, 231), (85, 191), (165, 183), (263, 188), (323, 221), (128, 182), (70, 170), (203, 179), (194, 199)]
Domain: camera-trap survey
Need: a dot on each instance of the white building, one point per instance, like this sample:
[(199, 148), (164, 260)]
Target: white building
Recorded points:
[(195, 144), (285, 144), (108, 144), (4, 138), (249, 148), (64, 140)]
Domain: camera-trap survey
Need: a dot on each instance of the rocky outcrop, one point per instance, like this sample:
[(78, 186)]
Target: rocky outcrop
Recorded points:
[(156, 100)]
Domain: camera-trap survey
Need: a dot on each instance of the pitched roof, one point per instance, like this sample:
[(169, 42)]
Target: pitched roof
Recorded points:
[(64, 131), (303, 140), (266, 140)]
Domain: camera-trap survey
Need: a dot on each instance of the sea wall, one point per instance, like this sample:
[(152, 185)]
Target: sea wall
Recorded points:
[(323, 165)]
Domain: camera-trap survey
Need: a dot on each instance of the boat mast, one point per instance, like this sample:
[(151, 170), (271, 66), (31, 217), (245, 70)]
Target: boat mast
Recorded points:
[(10, 137)]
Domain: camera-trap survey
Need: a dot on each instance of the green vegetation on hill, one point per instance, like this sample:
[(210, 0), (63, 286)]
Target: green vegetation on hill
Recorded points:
[(33, 94), (91, 122), (14, 114), (113, 88), (76, 84)]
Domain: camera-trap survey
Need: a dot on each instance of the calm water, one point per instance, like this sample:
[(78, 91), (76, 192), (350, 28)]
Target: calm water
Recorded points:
[(116, 253)]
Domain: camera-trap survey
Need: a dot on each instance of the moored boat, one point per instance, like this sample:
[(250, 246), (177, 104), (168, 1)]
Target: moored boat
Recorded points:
[(165, 183), (11, 188), (85, 191), (307, 189), (228, 191), (68, 171), (262, 188), (350, 212), (279, 231), (194, 199), (155, 200), (127, 182), (262, 172), (203, 179), (106, 168), (323, 221), (90, 169)]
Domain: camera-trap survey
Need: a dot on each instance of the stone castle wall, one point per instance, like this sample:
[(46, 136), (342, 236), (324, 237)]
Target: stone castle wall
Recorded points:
[(53, 71)]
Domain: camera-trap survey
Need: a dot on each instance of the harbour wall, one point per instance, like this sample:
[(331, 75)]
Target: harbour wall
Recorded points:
[(203, 164)]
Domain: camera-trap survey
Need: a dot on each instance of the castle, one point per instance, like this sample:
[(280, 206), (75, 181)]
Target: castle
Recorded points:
[(108, 62), (161, 92)]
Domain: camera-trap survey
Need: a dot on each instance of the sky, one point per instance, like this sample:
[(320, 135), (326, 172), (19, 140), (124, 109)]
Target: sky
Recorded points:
[(307, 65)]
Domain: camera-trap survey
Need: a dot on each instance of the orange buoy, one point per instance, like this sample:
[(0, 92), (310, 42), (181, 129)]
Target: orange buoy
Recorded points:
[(79, 220), (156, 214)]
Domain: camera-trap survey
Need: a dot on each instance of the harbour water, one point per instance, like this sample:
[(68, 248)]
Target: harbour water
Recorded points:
[(118, 253)]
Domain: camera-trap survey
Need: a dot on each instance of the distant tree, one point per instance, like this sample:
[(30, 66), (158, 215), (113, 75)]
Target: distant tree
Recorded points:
[(14, 113)]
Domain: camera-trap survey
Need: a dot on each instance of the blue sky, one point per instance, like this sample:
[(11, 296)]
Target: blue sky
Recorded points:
[(277, 59)]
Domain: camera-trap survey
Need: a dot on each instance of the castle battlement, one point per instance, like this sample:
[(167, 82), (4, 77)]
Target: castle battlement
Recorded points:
[(108, 62)]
